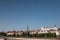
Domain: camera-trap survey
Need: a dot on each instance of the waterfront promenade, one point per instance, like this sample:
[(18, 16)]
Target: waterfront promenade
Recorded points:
[(10, 38), (30, 39)]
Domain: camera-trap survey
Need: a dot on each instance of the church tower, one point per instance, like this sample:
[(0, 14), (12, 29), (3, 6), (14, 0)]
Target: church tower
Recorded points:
[(27, 28)]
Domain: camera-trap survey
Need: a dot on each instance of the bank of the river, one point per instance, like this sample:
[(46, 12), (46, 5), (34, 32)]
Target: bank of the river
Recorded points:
[(18, 38), (33, 39), (11, 38)]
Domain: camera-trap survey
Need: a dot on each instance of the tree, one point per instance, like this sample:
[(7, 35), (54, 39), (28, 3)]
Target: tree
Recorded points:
[(58, 28), (3, 34)]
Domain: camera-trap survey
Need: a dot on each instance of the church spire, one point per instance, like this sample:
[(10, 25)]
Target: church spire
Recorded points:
[(55, 25), (27, 27)]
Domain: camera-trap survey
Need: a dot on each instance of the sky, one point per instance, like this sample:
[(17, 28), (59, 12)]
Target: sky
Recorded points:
[(17, 14)]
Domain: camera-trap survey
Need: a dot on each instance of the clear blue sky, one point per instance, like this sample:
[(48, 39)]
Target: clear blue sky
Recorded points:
[(16, 14)]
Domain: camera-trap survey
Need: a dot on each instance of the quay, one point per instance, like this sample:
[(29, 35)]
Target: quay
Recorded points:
[(29, 39)]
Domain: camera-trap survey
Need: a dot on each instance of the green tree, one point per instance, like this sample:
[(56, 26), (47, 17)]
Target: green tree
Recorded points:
[(3, 34), (58, 28)]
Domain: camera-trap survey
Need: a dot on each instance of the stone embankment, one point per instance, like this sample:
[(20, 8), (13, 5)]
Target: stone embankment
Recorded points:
[(29, 39)]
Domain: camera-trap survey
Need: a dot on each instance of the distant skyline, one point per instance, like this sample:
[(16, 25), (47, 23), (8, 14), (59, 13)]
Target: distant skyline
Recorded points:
[(17, 14)]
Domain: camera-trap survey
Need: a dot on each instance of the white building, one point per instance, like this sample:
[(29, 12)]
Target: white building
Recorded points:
[(19, 33), (14, 33), (9, 33), (33, 32), (43, 30), (48, 30)]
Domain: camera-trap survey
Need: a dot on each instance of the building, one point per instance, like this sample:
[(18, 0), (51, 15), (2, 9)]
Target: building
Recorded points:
[(43, 30), (14, 33), (48, 30), (40, 31), (58, 32), (33, 32), (9, 33), (19, 33)]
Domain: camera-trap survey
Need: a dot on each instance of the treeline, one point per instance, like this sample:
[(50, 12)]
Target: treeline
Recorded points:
[(46, 35), (2, 34), (35, 35), (40, 35)]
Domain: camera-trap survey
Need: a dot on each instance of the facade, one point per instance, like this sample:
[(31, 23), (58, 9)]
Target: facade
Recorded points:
[(42, 30), (14, 33), (46, 30), (9, 33), (58, 32), (33, 32), (19, 33)]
